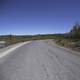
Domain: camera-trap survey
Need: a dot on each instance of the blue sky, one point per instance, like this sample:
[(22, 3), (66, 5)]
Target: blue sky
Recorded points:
[(38, 16)]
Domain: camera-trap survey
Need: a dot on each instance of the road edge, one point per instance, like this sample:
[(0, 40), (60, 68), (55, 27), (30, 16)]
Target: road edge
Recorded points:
[(4, 53), (65, 48)]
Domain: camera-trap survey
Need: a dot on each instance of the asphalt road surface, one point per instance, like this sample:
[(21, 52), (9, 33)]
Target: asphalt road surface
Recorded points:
[(39, 60)]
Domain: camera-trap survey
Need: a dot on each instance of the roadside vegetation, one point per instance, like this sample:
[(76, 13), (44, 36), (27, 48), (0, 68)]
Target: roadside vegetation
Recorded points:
[(71, 39)]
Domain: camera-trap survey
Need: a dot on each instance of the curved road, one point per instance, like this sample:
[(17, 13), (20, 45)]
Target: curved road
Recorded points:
[(39, 60)]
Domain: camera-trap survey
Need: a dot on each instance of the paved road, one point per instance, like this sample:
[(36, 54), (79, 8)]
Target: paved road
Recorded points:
[(39, 60)]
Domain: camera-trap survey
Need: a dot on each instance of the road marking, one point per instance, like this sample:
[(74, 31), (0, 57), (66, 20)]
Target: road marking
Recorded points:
[(12, 49)]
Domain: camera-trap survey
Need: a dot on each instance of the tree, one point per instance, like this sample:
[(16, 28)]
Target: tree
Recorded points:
[(75, 32)]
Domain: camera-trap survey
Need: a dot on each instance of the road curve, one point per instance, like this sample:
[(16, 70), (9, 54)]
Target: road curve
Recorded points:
[(39, 60)]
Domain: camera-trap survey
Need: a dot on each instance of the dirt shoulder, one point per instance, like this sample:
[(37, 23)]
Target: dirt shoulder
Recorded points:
[(73, 44)]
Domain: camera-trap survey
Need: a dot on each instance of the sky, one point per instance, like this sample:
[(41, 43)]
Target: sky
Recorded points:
[(27, 17)]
